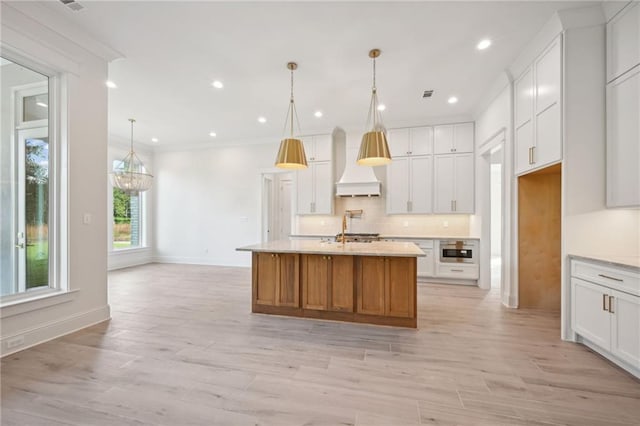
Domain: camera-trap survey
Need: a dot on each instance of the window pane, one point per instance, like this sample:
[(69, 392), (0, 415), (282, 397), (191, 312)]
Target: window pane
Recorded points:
[(126, 220), (37, 212), (24, 179), (35, 107)]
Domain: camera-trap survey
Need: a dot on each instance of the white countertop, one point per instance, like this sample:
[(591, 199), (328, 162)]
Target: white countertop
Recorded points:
[(376, 248), (614, 260), (393, 237)]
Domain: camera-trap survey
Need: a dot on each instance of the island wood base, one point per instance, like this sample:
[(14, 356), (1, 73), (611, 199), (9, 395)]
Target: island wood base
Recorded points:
[(365, 289)]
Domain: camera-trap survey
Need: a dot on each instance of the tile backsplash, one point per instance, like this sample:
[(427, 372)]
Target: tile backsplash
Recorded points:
[(375, 220)]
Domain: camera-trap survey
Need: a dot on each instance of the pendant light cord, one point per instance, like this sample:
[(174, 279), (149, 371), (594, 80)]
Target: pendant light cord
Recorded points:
[(291, 112)]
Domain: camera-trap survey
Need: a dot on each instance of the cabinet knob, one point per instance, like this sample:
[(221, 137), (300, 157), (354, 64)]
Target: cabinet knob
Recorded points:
[(329, 257)]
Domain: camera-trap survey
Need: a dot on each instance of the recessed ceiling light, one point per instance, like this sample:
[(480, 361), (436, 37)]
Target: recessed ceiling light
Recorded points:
[(262, 120), (318, 114), (483, 44), (381, 107), (217, 84), (41, 104), (154, 139), (110, 84), (452, 100), (212, 134)]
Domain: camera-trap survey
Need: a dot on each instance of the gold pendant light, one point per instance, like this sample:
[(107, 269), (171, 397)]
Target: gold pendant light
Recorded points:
[(374, 150), (291, 153)]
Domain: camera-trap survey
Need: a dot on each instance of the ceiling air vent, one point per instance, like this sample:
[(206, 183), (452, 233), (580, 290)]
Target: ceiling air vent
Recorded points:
[(427, 93), (72, 4)]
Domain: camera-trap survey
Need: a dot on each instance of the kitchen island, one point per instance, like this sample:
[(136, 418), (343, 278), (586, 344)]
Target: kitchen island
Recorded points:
[(373, 282)]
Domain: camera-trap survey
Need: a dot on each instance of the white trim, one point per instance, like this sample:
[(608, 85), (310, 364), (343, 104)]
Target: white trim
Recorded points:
[(54, 329), (189, 260), (50, 15), (125, 258), (32, 302)]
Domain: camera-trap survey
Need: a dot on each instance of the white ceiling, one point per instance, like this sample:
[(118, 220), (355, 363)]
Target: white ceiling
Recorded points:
[(174, 50)]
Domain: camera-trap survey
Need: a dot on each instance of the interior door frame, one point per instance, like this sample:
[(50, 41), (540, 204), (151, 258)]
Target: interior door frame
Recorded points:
[(270, 178), (496, 141)]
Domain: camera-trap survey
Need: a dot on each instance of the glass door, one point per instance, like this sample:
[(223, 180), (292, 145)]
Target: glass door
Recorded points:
[(32, 236)]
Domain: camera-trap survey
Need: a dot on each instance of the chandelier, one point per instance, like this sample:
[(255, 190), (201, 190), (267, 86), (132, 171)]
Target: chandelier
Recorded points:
[(374, 150), (291, 153), (130, 174)]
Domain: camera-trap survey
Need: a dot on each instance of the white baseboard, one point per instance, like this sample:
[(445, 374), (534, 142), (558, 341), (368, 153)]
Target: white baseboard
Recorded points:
[(53, 329), (198, 261), (126, 258)]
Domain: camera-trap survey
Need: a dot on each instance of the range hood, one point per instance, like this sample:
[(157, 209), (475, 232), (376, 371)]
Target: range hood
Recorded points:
[(356, 181)]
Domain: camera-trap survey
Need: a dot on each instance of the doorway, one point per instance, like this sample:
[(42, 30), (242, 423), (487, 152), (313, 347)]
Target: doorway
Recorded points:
[(276, 206), (496, 159), (539, 228)]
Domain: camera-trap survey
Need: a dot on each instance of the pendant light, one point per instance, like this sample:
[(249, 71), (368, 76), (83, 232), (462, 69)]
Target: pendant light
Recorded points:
[(130, 174), (374, 150), (291, 153)]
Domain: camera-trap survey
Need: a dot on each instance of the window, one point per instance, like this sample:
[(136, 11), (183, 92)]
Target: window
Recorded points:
[(27, 178), (127, 216)]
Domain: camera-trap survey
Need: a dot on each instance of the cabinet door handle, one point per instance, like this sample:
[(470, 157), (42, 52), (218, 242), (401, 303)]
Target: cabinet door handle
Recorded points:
[(455, 205), (451, 205), (457, 270), (604, 302), (611, 304), (529, 155), (533, 155), (610, 278)]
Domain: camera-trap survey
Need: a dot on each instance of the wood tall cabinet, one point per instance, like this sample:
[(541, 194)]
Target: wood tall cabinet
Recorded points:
[(386, 286), (623, 108), (538, 111), (276, 278), (327, 282), (314, 185)]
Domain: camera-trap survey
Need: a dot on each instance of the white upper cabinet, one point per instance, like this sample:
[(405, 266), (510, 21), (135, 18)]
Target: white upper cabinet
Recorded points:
[(538, 112), (318, 147), (409, 185), (454, 183), (410, 141), (453, 138), (314, 189), (314, 186), (623, 41), (623, 108), (623, 141)]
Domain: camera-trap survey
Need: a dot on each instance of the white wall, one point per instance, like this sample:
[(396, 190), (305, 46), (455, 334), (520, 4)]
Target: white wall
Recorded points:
[(86, 134), (208, 203)]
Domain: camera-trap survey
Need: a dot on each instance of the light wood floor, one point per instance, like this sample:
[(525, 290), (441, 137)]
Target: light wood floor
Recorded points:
[(183, 349)]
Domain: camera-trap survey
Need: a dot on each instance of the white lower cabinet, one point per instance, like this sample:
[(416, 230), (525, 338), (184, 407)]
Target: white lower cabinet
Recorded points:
[(426, 263), (462, 272), (607, 318)]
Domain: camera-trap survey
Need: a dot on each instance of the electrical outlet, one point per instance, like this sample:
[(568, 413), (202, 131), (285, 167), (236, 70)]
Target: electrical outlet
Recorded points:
[(405, 223), (322, 223), (15, 341), (445, 224), (86, 218)]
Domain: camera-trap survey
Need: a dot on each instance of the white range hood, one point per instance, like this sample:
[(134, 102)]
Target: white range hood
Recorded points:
[(356, 181)]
